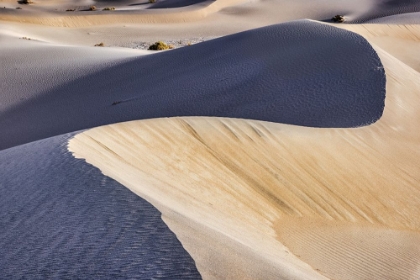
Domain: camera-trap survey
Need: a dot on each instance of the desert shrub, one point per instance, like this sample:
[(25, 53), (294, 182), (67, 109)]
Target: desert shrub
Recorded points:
[(18, 8), (109, 9), (152, 1), (338, 18), (101, 44), (27, 2), (70, 10), (160, 46), (92, 8), (26, 38)]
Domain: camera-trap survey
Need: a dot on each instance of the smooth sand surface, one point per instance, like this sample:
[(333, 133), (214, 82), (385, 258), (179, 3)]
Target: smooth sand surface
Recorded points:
[(224, 77), (345, 201)]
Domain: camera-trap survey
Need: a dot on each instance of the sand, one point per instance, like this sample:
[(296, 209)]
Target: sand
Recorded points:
[(228, 175), (286, 195), (224, 77), (62, 218)]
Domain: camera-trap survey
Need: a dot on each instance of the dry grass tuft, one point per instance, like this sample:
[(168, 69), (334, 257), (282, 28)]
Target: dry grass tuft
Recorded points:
[(160, 46), (101, 44), (338, 18)]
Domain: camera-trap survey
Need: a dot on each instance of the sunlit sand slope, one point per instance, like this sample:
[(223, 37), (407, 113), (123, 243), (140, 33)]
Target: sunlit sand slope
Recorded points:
[(346, 201), (401, 41)]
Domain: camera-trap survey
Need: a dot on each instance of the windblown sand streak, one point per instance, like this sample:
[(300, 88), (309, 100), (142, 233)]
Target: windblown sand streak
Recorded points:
[(251, 182)]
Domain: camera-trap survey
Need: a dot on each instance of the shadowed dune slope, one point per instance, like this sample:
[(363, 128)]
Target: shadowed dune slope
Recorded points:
[(344, 201), (301, 73), (385, 8), (62, 219), (407, 18), (166, 4)]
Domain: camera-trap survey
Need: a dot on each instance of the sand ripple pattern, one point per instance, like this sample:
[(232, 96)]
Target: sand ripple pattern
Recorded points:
[(254, 187), (60, 218)]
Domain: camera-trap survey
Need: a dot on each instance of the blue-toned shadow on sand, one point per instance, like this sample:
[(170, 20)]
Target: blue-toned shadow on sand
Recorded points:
[(60, 218)]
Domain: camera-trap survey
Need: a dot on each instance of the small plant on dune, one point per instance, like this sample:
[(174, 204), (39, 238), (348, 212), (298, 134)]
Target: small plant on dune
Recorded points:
[(27, 2), (70, 10), (92, 8), (18, 8), (160, 46), (152, 1), (101, 44), (109, 9), (338, 18), (25, 38)]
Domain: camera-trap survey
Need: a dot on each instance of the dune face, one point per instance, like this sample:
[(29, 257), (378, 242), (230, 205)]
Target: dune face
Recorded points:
[(302, 73), (284, 149), (62, 219), (401, 41), (391, 7), (344, 201), (167, 4)]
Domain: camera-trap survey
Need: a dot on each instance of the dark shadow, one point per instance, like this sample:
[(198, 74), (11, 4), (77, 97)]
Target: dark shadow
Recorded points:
[(140, 4), (170, 4)]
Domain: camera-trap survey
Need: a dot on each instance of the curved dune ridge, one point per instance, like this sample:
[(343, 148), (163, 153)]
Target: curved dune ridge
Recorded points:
[(177, 11), (133, 13), (387, 8), (402, 41), (299, 77), (62, 219), (344, 201), (281, 157)]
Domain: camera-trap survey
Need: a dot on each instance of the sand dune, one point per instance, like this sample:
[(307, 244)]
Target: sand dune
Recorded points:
[(62, 219), (402, 41), (384, 8), (178, 11), (83, 17), (230, 176), (239, 198), (214, 78), (407, 18)]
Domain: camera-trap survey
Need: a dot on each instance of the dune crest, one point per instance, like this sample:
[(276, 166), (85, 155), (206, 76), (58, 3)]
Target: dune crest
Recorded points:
[(401, 41), (246, 180)]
